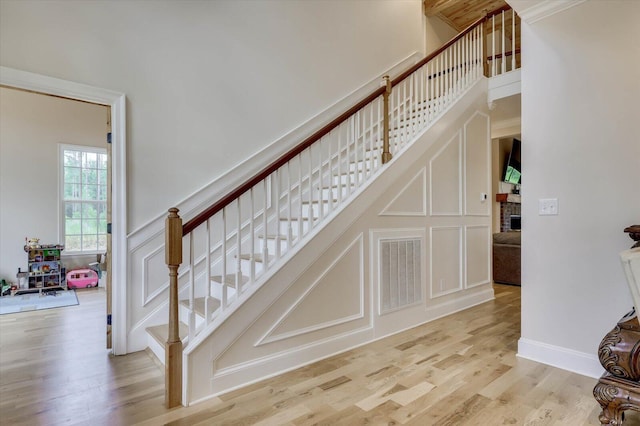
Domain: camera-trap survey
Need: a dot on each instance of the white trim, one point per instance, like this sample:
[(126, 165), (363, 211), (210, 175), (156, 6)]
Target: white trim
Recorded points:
[(54, 86), (542, 9), (487, 205), (288, 360), (270, 337), (505, 85), (433, 159), (386, 212), (487, 280), (461, 250), (567, 359)]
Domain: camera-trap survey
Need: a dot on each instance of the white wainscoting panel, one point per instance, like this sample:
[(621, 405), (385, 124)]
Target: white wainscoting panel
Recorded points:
[(340, 288), (446, 179), (446, 260), (477, 146), (411, 199), (478, 269)]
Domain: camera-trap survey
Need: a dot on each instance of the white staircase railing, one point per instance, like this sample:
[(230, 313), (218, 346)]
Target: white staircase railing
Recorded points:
[(235, 245)]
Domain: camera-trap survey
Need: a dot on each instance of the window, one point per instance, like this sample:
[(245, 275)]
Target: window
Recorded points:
[(84, 199)]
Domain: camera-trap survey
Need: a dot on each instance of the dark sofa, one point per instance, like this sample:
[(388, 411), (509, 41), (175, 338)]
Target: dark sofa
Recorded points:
[(506, 257)]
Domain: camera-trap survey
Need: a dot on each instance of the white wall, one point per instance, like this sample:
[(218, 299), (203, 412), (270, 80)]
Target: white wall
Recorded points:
[(208, 83), (580, 92), (437, 33), (31, 128)]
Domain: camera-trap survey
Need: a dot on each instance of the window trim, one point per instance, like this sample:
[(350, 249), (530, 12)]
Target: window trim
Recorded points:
[(61, 202)]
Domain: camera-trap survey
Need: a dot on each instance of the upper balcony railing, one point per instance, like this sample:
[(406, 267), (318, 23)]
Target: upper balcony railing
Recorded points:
[(235, 245)]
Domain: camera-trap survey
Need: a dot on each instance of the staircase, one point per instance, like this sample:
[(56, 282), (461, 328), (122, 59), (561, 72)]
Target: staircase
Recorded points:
[(301, 210), (245, 241)]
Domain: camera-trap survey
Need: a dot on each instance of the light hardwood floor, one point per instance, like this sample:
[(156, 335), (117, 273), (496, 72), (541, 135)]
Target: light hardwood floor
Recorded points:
[(459, 370)]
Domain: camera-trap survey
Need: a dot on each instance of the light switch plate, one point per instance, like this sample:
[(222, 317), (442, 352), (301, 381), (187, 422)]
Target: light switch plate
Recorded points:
[(548, 206)]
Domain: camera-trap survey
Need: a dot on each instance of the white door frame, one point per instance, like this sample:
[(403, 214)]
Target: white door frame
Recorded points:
[(54, 86)]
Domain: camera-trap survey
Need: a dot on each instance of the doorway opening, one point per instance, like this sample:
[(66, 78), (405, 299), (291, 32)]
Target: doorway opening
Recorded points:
[(113, 105)]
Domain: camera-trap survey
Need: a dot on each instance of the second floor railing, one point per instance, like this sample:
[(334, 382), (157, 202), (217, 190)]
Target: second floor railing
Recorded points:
[(234, 245)]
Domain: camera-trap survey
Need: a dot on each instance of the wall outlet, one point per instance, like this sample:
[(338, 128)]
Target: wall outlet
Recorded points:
[(548, 206)]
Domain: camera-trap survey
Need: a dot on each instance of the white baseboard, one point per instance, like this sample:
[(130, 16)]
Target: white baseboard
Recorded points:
[(582, 363)]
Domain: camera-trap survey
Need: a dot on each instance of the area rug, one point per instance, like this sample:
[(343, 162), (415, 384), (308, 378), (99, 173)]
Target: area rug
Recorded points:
[(35, 301)]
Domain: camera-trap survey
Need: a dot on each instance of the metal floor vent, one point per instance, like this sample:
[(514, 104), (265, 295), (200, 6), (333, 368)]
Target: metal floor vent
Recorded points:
[(400, 273)]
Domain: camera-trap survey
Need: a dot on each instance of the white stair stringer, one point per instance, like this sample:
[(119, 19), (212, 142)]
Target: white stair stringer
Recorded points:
[(286, 320)]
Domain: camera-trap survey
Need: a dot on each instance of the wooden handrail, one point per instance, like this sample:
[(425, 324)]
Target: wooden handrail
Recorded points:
[(445, 46), (230, 197)]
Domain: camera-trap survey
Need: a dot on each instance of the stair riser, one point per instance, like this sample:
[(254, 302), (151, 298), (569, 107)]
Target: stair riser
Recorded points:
[(345, 179), (367, 164), (245, 267), (156, 348), (284, 225), (272, 243), (334, 192), (183, 315), (314, 208)]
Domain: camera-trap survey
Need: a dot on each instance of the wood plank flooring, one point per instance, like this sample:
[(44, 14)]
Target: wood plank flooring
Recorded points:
[(459, 370)]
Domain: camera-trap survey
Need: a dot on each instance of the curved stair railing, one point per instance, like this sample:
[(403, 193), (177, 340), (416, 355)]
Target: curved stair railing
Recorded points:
[(234, 245)]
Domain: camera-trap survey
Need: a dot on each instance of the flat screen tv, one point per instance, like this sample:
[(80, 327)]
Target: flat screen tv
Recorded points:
[(512, 167)]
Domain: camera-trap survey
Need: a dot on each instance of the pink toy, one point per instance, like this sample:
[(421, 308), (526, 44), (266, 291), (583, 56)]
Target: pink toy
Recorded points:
[(82, 278)]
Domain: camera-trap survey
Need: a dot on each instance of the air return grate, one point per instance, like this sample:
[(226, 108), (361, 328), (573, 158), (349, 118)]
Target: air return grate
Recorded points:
[(400, 274)]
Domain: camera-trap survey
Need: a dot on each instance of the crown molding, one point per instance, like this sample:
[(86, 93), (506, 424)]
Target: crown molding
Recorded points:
[(534, 11)]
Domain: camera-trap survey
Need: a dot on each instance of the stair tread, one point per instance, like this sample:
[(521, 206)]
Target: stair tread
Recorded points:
[(295, 218), (256, 256), (352, 171), (198, 304), (324, 201), (161, 332), (274, 236), (342, 185), (230, 279)]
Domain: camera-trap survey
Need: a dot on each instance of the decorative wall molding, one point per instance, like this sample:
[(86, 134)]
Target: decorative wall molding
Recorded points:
[(434, 209), (271, 335), (147, 294), (458, 239), (487, 183), (408, 189), (487, 278)]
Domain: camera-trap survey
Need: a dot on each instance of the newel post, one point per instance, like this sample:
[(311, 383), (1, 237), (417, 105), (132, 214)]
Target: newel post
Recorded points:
[(173, 347), (386, 154)]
